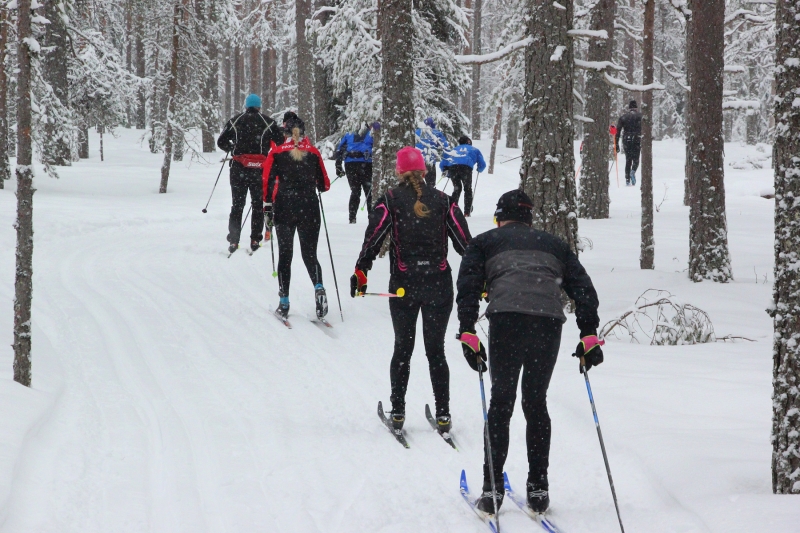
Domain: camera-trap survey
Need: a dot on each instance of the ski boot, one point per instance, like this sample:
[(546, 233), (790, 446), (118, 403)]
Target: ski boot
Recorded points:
[(322, 300), (233, 247), (283, 306), (352, 220), (538, 499), (255, 245), (398, 418), (487, 498), (444, 423)]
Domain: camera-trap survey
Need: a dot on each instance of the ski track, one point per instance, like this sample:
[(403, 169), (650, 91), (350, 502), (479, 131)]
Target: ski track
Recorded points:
[(167, 399)]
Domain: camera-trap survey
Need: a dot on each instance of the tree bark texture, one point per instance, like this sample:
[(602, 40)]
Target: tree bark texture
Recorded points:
[(323, 92), (786, 314), (226, 83), (237, 102), (397, 124), (647, 253), (594, 200), (83, 141), (305, 68), (709, 257), (171, 91), (141, 105), (210, 110), (254, 74), (548, 164), (5, 164), (475, 93), (129, 112), (512, 122), (687, 110), (498, 120), (23, 280), (55, 147), (268, 79)]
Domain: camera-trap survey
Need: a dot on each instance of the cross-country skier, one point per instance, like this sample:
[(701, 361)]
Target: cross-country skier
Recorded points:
[(458, 163), (419, 219), (355, 150), (293, 173), (431, 142), (248, 136), (631, 123), (523, 270)]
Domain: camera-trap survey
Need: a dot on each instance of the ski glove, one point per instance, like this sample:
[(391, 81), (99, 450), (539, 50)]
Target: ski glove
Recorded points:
[(589, 349), (474, 351), (339, 170), (268, 214), (358, 283)]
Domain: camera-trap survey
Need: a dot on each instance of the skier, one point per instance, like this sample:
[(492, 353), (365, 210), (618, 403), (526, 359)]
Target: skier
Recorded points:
[(293, 173), (523, 270), (631, 122), (419, 219), (355, 149), (431, 142), (248, 136), (458, 163)]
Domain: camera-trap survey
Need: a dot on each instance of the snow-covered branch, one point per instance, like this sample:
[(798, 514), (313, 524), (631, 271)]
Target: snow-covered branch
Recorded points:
[(598, 65), (615, 82), (588, 34), (473, 59), (741, 104)]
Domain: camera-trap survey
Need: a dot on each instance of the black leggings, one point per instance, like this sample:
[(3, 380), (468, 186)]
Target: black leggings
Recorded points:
[(528, 343), (633, 147), (359, 176), (307, 227), (242, 180), (436, 302), (461, 176)]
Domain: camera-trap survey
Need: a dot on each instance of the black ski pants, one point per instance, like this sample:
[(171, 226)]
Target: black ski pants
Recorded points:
[(461, 176), (303, 219), (430, 174), (530, 344), (242, 180), (359, 176), (434, 297), (633, 148)]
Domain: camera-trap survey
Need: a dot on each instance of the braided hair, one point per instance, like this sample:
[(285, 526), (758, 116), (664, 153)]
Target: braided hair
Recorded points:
[(415, 179)]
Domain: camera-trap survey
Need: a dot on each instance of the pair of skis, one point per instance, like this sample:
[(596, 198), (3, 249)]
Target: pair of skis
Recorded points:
[(491, 520), (400, 436), (317, 320), (249, 251)]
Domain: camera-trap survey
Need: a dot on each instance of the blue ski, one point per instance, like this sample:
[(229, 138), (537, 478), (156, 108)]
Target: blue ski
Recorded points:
[(539, 518), (489, 520)]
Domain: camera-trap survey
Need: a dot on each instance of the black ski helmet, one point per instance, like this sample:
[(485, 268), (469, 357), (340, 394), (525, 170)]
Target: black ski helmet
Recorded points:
[(632, 104), (514, 205), (464, 140)]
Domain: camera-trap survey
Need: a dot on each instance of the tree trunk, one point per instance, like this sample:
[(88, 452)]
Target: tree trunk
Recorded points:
[(141, 107), (594, 200), (226, 69), (237, 102), (475, 116), (395, 25), (5, 164), (323, 92), (687, 110), (23, 281), (512, 123), (304, 68), (83, 141), (708, 234), (210, 105), (172, 91), (647, 254), (498, 119), (100, 130), (786, 316), (254, 78), (548, 164), (268, 80), (129, 55), (55, 146)]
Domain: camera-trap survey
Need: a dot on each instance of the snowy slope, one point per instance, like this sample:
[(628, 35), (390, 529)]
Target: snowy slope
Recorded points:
[(166, 399)]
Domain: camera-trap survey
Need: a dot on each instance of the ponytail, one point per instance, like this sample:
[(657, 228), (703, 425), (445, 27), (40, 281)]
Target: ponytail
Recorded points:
[(296, 153), (415, 179)]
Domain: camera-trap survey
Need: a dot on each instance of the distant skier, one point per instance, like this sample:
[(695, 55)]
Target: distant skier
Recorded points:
[(523, 270), (248, 136), (419, 219), (355, 150), (293, 173), (431, 142), (458, 163), (631, 123)]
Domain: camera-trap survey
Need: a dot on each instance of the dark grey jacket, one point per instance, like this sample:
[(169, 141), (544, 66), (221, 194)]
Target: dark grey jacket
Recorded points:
[(523, 270)]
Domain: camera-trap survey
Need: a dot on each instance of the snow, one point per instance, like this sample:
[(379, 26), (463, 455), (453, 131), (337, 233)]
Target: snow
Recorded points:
[(472, 59), (166, 398), (597, 34), (655, 86), (741, 104), (598, 65), (558, 52)]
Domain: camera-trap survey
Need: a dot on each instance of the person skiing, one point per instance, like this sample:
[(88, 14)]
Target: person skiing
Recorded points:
[(419, 219), (631, 123), (458, 163), (293, 173), (248, 136), (523, 271), (431, 142), (355, 149)]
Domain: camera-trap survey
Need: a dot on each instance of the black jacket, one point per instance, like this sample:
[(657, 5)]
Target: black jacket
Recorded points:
[(288, 181), (523, 270), (249, 133), (631, 122), (418, 245)]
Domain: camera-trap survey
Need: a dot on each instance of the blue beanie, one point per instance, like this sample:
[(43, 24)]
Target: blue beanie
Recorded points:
[(430, 123), (252, 100)]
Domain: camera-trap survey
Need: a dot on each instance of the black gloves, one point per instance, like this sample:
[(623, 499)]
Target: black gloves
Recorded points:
[(268, 214), (474, 351), (589, 349), (339, 169), (358, 283)]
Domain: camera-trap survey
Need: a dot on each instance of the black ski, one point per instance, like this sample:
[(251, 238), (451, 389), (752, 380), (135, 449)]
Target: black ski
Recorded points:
[(432, 421), (282, 319), (398, 433), (322, 320)]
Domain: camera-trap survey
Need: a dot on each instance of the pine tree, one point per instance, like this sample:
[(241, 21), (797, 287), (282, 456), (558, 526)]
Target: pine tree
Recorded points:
[(58, 128), (647, 254), (5, 165), (305, 68), (786, 310)]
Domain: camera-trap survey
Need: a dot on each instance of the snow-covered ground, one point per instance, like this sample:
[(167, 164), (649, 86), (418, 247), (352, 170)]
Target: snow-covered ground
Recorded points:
[(166, 398)]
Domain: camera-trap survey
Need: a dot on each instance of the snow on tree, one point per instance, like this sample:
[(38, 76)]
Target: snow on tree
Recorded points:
[(786, 293), (53, 94), (5, 165), (647, 253)]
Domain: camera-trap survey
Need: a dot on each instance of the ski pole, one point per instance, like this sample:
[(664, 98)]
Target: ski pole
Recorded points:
[(330, 252), (272, 249), (612, 130), (488, 443), (600, 436), (399, 294), (205, 209), (475, 190), (244, 221)]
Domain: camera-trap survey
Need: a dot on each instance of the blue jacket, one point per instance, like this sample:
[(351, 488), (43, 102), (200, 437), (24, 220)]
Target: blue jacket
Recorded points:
[(431, 143), (463, 154), (354, 148)]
